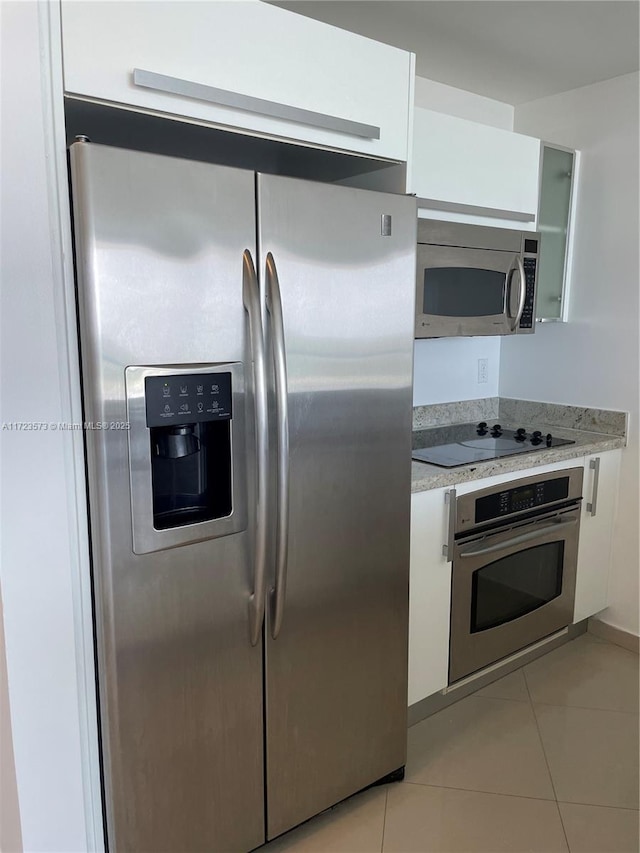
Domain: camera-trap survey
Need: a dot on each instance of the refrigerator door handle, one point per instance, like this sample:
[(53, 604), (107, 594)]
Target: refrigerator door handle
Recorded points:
[(251, 299), (274, 307)]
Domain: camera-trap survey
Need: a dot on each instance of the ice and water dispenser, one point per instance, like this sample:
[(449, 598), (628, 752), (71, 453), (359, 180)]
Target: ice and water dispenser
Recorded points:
[(184, 455), (189, 418)]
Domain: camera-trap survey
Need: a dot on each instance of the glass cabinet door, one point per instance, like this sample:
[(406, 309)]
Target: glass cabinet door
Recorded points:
[(553, 223)]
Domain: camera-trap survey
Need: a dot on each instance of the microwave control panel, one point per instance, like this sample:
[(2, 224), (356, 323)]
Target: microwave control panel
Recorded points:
[(530, 264), (527, 319)]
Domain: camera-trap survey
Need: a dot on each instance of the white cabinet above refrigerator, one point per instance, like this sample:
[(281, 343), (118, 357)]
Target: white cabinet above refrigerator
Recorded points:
[(243, 65), (474, 169)]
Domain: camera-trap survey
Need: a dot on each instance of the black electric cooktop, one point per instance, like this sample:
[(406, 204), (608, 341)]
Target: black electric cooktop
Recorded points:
[(462, 444)]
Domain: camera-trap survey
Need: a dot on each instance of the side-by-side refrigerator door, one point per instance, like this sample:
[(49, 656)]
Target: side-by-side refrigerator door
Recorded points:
[(338, 268), (165, 295)]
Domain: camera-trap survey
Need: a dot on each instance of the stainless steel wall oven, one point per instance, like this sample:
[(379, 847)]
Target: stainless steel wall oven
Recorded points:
[(515, 551)]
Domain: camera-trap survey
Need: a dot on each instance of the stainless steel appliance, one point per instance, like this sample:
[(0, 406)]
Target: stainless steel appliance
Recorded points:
[(475, 280), (250, 575), (463, 444), (514, 550)]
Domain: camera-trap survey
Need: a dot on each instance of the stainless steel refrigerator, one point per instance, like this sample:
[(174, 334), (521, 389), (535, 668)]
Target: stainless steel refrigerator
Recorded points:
[(247, 346)]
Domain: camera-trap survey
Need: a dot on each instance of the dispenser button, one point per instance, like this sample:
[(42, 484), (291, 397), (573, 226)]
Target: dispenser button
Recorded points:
[(214, 388)]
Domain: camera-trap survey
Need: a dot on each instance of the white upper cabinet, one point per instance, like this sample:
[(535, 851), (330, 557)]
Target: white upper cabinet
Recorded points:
[(242, 65), (557, 195), (463, 163)]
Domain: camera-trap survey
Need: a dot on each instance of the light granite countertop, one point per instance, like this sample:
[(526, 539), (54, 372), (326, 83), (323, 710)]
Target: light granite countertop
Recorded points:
[(512, 414)]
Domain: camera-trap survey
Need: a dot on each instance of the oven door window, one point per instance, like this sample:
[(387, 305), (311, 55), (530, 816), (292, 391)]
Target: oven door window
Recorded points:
[(463, 292), (515, 585)]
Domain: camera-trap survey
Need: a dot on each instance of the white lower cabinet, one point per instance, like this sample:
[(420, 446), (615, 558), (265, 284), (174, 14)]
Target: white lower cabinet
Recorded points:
[(600, 489), (429, 596), (430, 573)]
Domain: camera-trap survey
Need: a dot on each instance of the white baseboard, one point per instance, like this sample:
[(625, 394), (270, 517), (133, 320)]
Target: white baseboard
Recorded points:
[(614, 635)]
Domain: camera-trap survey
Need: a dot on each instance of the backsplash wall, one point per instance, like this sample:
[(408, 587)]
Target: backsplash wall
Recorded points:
[(446, 369)]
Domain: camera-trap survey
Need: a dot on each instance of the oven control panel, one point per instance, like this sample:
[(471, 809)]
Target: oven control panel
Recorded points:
[(521, 498)]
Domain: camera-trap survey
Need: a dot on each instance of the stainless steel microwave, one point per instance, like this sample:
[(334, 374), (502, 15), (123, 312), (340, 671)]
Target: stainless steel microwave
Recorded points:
[(475, 280)]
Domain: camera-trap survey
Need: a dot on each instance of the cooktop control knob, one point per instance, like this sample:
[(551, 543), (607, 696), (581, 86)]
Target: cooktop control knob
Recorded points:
[(549, 439), (482, 428), (496, 431), (536, 437), (521, 434)]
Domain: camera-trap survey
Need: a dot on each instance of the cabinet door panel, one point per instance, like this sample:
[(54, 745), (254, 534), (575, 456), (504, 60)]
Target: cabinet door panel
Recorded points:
[(429, 596), (466, 163), (556, 195), (248, 49), (596, 534)]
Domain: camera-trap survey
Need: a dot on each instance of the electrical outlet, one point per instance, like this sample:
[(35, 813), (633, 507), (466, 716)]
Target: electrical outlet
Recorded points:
[(483, 370)]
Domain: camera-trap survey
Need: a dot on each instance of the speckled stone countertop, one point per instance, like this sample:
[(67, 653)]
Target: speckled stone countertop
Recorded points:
[(607, 432)]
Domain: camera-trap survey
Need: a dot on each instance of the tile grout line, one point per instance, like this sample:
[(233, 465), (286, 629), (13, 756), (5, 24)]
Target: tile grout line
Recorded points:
[(489, 793), (546, 760), (520, 796), (384, 818), (599, 806), (480, 695), (499, 698), (535, 717), (585, 708)]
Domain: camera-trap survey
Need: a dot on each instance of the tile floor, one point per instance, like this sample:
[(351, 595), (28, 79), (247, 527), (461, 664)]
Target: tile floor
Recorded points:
[(543, 760)]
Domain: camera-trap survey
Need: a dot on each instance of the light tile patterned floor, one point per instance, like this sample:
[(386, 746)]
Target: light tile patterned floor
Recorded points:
[(544, 760)]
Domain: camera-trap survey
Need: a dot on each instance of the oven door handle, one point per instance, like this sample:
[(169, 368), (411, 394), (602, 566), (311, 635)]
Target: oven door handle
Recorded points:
[(522, 296), (517, 540)]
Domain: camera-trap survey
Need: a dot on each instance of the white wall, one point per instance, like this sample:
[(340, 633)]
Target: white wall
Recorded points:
[(593, 359), (40, 541), (447, 369), (10, 833), (431, 95)]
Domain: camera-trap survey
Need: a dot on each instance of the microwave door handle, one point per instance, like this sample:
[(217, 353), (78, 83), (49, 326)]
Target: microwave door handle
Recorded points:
[(517, 540), (523, 292)]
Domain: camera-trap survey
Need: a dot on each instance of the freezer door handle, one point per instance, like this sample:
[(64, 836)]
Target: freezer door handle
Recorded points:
[(274, 307), (251, 298)]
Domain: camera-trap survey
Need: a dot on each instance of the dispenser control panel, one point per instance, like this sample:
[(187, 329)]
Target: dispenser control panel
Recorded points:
[(187, 398)]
